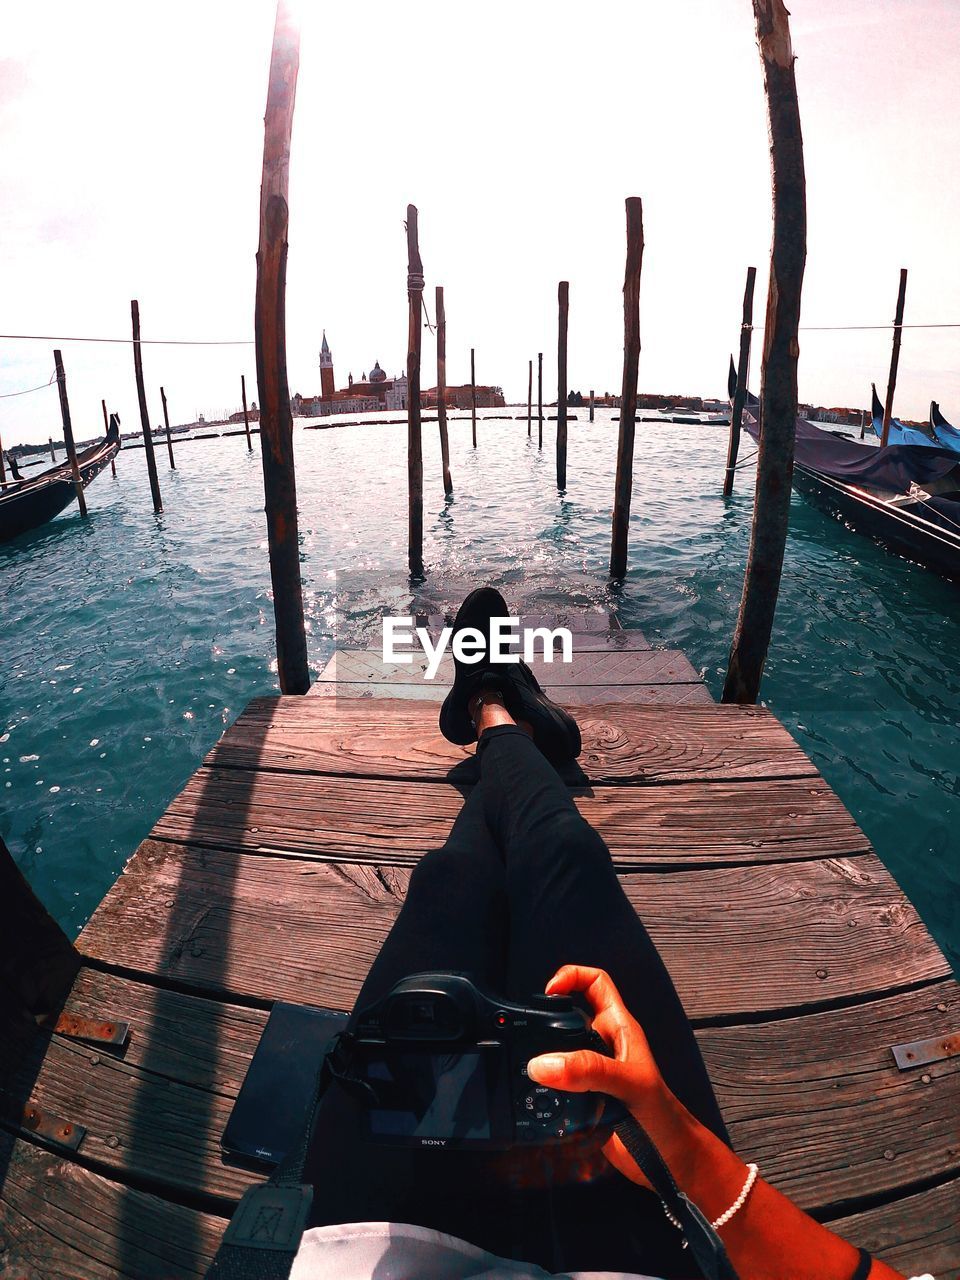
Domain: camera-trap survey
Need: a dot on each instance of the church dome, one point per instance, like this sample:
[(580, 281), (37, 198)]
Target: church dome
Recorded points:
[(377, 374)]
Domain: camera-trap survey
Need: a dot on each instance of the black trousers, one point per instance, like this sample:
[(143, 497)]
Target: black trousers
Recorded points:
[(522, 886)]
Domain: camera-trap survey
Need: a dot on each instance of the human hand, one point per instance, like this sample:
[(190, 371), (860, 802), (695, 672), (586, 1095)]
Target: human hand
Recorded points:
[(631, 1075)]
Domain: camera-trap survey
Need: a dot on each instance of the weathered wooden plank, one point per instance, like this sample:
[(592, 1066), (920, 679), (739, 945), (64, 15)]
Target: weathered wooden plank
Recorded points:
[(918, 1235), (60, 1219), (582, 621), (204, 1043), (819, 1103), (401, 739), (598, 667), (318, 815), (139, 1123), (647, 695), (791, 936)]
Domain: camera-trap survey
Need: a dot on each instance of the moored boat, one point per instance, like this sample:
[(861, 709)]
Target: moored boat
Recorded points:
[(26, 504), (906, 496)]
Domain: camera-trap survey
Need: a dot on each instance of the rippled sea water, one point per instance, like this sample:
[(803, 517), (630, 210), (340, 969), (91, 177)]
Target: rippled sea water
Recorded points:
[(131, 642)]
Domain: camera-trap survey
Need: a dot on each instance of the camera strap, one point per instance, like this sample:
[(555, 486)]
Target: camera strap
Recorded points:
[(700, 1235), (263, 1236)]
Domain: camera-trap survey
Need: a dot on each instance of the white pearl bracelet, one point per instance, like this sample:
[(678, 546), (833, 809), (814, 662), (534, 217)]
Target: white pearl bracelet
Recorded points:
[(752, 1173)]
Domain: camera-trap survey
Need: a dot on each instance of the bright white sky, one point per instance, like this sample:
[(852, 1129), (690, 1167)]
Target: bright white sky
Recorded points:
[(131, 143)]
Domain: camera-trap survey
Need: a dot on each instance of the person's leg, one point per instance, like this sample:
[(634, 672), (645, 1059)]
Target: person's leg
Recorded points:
[(454, 918), (567, 906)]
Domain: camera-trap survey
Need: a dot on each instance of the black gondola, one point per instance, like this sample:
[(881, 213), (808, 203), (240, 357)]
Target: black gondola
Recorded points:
[(30, 503), (904, 496)]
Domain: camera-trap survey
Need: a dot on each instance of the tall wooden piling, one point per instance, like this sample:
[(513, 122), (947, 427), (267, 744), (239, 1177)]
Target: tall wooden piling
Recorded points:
[(529, 398), (276, 421), (246, 415), (68, 432), (53, 455), (563, 302), (539, 399), (414, 443), (144, 418), (106, 428), (442, 392), (473, 397), (894, 356), (781, 350), (623, 486), (740, 394), (591, 404), (166, 423), (3, 468)]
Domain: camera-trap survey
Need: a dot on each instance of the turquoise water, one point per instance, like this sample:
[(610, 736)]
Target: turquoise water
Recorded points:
[(130, 642)]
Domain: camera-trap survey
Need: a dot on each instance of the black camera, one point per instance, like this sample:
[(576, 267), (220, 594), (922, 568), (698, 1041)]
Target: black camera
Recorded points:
[(439, 1063)]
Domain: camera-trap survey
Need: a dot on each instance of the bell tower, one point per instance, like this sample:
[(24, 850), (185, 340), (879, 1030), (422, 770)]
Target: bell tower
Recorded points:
[(327, 387)]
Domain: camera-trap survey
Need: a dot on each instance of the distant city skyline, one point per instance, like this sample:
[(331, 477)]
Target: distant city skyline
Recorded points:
[(526, 137)]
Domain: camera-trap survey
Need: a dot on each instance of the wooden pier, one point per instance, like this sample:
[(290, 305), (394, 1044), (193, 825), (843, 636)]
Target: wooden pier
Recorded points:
[(278, 870)]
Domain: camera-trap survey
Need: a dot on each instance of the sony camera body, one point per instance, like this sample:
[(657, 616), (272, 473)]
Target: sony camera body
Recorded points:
[(439, 1063)]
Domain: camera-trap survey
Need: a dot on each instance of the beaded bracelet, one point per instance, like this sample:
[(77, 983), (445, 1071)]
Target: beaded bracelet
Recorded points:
[(752, 1173)]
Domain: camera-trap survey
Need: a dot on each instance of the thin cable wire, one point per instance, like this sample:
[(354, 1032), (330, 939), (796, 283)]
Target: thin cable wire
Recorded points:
[(161, 342), (43, 386)]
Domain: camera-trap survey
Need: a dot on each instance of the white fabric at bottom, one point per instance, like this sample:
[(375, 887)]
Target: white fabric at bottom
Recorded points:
[(399, 1251)]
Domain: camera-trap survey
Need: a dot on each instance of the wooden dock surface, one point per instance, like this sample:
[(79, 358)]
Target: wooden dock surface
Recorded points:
[(277, 871)]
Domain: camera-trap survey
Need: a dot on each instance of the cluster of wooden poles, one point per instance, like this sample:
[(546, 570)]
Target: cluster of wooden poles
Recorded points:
[(778, 389), (743, 365), (778, 378), (148, 444)]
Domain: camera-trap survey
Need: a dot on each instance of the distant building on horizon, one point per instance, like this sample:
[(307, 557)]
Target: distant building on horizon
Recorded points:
[(376, 392)]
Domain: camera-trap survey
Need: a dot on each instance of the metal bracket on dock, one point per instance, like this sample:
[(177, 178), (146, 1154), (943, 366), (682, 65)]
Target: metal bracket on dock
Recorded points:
[(917, 1053), (93, 1030), (52, 1129)]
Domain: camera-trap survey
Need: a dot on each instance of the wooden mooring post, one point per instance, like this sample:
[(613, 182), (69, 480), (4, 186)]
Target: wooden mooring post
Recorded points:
[(144, 418), (894, 356), (442, 392), (276, 420), (529, 398), (740, 394), (473, 396), (781, 350), (539, 399), (166, 423), (623, 487), (563, 302), (591, 404), (68, 432), (414, 442), (246, 416), (53, 455), (863, 423), (106, 427), (3, 468)]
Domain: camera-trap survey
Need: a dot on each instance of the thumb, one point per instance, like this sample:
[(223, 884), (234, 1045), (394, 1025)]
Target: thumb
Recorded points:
[(581, 1071)]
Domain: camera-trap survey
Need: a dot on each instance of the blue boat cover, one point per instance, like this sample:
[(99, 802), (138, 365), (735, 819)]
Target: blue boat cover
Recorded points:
[(894, 468)]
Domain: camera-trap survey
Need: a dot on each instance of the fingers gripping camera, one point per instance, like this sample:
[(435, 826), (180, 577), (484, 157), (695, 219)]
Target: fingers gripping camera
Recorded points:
[(439, 1063)]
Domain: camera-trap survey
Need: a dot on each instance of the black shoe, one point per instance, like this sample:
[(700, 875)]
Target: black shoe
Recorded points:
[(555, 731), (476, 611)]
